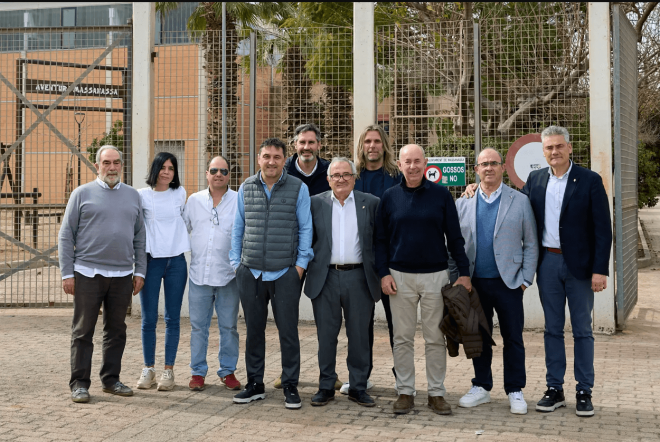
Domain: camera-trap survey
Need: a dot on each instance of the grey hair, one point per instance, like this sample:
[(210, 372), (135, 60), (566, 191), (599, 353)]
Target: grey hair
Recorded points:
[(493, 149), (555, 130), (342, 160), (108, 147), (309, 127)]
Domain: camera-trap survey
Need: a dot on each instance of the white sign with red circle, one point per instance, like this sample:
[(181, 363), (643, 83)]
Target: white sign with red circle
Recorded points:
[(524, 156), (433, 173)]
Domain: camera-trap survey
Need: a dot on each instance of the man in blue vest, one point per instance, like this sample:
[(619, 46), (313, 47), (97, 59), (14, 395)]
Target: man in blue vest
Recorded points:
[(271, 247)]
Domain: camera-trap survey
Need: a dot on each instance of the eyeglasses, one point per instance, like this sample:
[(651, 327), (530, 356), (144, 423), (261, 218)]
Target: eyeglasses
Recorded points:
[(215, 219), (215, 170), (489, 163), (346, 176)]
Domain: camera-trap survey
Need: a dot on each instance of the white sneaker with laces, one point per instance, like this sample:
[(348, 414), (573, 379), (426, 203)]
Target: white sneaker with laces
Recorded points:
[(476, 396), (344, 388), (166, 382), (517, 401), (147, 378)]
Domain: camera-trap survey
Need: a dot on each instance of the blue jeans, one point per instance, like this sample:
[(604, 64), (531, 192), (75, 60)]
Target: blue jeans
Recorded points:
[(556, 286), (202, 299), (174, 273)]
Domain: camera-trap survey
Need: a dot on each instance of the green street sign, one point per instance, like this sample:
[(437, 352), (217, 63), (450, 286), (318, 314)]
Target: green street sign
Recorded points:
[(448, 171)]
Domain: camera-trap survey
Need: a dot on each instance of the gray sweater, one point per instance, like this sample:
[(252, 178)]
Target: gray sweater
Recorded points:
[(104, 229)]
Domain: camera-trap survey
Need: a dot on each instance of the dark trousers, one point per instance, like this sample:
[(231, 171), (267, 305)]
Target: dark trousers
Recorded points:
[(385, 299), (347, 291), (284, 295), (557, 286), (508, 303), (90, 293)]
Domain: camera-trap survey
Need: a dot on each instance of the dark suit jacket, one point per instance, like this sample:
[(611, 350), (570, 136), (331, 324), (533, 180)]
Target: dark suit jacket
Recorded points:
[(585, 226), (317, 270)]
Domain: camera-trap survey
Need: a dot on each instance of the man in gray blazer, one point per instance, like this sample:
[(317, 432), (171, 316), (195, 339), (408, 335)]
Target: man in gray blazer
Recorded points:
[(342, 276), (501, 243)]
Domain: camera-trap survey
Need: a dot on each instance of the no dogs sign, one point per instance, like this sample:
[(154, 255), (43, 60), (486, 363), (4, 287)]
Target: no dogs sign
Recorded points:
[(448, 171)]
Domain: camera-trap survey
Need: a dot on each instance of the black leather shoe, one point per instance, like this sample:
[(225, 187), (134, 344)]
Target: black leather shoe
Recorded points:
[(552, 399), (361, 397), (119, 389), (322, 397)]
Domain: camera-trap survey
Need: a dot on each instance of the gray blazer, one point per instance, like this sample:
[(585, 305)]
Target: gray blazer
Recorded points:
[(317, 271), (515, 243)]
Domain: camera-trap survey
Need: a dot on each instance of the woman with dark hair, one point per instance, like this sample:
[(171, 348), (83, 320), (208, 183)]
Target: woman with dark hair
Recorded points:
[(167, 241)]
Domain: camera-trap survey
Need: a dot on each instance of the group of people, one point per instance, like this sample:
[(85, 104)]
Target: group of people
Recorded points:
[(347, 236)]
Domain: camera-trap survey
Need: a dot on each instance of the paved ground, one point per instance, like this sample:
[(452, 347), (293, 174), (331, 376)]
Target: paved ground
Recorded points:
[(35, 405)]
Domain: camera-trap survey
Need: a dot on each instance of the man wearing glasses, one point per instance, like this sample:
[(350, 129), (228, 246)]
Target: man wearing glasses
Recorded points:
[(342, 277), (209, 216), (501, 244)]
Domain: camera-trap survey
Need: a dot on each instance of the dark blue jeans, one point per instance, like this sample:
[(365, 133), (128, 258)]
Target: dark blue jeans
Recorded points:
[(173, 272), (556, 286), (508, 303)]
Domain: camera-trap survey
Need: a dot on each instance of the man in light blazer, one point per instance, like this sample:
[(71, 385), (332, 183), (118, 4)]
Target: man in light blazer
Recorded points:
[(342, 276), (502, 246)]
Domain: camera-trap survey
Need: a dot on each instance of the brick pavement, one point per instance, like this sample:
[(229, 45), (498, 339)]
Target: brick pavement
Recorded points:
[(35, 404)]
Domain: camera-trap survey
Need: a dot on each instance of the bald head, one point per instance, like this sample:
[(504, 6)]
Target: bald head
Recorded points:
[(490, 149), (412, 164)]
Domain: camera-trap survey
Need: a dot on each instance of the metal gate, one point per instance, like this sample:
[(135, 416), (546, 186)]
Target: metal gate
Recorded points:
[(77, 82), (625, 161)]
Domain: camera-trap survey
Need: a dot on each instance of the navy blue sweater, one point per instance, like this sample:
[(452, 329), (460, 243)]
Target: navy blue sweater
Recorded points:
[(411, 226), (318, 182)]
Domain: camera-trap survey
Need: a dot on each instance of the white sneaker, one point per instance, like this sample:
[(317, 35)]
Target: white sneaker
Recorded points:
[(476, 396), (518, 404), (147, 378), (344, 388), (166, 382)]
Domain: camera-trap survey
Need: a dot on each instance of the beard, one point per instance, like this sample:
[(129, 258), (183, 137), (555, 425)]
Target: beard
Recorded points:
[(111, 180), (307, 160)]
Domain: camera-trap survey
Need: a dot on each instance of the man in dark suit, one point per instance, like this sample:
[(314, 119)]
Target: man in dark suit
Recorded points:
[(342, 276), (575, 233)]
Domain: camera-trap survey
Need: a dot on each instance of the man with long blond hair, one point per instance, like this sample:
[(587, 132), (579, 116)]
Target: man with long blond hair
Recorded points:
[(377, 172)]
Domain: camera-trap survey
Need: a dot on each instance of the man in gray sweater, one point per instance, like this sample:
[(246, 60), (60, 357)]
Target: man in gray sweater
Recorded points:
[(102, 237)]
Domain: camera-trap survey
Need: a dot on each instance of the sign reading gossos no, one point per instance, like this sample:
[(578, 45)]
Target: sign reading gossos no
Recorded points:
[(448, 171), (524, 156)]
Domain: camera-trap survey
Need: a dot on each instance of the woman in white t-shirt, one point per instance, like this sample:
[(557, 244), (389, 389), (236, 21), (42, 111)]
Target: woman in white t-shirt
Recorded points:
[(167, 240)]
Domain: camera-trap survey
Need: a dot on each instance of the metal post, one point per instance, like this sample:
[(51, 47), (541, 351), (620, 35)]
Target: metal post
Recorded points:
[(224, 79), (477, 94), (364, 90), (253, 100), (75, 116)]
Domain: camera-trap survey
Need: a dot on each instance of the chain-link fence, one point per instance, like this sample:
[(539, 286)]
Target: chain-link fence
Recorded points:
[(58, 106)]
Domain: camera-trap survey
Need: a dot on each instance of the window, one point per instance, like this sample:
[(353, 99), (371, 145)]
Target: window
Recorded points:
[(68, 19)]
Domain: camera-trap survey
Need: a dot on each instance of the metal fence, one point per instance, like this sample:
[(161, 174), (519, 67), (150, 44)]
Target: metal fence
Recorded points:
[(57, 106), (624, 40)]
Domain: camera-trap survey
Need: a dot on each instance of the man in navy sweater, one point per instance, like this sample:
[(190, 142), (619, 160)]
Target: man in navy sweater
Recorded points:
[(306, 164), (414, 220)]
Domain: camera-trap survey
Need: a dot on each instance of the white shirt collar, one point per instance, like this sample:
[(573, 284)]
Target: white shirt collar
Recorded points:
[(552, 175), (493, 196), (105, 185), (301, 171), (349, 197)]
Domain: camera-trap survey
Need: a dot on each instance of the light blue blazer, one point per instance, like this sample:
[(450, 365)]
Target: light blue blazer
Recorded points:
[(515, 243)]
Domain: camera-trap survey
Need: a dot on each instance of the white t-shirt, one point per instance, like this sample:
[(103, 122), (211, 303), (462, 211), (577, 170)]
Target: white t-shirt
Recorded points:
[(167, 235)]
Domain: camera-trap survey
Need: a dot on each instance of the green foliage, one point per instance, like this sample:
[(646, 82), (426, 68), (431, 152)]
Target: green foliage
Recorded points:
[(648, 174), (115, 138), (331, 62)]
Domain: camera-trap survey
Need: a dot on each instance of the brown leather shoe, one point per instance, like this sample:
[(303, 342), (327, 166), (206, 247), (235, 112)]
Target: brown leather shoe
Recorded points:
[(439, 405), (404, 404)]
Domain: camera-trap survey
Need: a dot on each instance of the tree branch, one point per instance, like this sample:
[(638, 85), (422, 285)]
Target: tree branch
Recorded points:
[(640, 23)]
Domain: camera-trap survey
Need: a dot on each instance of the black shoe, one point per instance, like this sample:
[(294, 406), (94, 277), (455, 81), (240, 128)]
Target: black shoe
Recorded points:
[(252, 392), (322, 397), (583, 406), (119, 389), (292, 398), (361, 397), (552, 399)]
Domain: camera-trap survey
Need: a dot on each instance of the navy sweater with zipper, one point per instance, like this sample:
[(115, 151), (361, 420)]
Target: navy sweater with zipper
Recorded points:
[(411, 227)]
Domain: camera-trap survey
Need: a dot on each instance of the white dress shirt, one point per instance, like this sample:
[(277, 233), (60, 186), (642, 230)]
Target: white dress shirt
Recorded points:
[(210, 242), (163, 220), (554, 196), (345, 240), (90, 272)]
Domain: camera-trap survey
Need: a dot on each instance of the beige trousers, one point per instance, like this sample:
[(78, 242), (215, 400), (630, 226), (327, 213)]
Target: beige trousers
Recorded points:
[(423, 289)]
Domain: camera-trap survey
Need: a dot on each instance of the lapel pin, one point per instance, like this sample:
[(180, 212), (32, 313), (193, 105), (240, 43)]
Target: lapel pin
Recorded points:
[(574, 180), (363, 207)]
